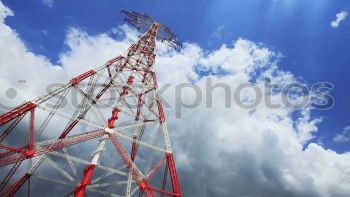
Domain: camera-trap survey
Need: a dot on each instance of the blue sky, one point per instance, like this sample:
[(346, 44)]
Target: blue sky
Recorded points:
[(300, 30)]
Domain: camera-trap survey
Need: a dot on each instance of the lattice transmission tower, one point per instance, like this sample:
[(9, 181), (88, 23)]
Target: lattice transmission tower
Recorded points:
[(103, 133)]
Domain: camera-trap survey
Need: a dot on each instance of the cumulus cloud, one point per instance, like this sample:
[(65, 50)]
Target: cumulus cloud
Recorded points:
[(219, 151), (343, 136), (339, 18), (19, 64)]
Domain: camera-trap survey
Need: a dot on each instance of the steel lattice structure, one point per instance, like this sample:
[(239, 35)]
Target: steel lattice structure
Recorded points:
[(110, 139)]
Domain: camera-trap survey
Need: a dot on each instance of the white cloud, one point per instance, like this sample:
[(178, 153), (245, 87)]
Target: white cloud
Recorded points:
[(4, 12), (341, 138), (48, 3), (18, 63), (344, 136), (339, 18), (220, 152)]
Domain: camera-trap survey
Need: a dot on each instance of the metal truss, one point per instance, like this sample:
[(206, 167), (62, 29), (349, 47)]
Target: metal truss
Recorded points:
[(107, 121)]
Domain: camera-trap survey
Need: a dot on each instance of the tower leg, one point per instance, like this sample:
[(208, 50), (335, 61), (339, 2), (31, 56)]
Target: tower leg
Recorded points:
[(173, 174)]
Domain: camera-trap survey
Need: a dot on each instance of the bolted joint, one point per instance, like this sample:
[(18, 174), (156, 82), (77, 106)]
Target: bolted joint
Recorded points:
[(32, 104), (109, 131), (30, 153), (143, 185)]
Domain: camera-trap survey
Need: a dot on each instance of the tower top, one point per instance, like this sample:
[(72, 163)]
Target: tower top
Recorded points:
[(143, 22)]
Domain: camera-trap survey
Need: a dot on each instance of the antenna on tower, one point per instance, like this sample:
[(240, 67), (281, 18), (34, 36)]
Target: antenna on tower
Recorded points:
[(143, 22)]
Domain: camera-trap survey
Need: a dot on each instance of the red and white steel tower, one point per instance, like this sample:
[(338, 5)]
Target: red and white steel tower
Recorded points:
[(103, 133)]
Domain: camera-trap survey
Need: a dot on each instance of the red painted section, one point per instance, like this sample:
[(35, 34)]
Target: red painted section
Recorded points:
[(30, 153), (82, 77), (4, 154), (163, 191), (130, 80), (173, 174), (161, 111), (111, 61), (69, 128), (31, 130), (10, 157), (143, 185), (103, 90), (125, 91), (15, 149), (126, 159), (133, 150), (5, 118), (80, 190), (14, 188), (113, 118), (139, 105), (155, 82)]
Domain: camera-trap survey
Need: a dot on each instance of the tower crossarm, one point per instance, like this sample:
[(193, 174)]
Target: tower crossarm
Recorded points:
[(143, 22)]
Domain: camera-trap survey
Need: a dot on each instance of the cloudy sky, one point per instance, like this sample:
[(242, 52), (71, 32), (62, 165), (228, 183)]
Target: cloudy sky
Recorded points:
[(219, 150)]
